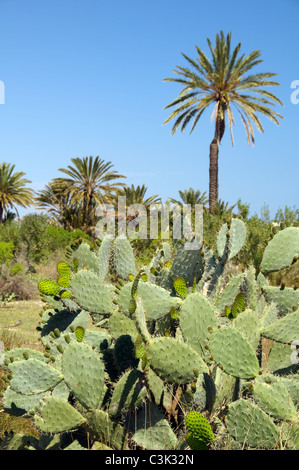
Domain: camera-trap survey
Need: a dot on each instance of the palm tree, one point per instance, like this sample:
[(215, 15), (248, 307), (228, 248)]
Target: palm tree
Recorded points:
[(225, 83), (57, 203), (88, 183), (136, 195), (13, 190), (192, 197)]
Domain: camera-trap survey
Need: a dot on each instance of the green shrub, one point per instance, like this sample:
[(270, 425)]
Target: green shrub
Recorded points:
[(6, 252)]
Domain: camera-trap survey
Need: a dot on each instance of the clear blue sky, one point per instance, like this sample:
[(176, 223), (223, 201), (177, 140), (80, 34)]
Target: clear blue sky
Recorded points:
[(86, 78)]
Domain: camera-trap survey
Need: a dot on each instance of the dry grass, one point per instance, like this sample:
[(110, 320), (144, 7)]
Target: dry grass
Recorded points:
[(24, 334)]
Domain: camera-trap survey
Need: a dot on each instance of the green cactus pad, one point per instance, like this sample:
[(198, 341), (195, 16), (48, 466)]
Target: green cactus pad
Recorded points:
[(104, 429), (199, 427), (251, 426), (119, 324), (128, 393), (48, 287), (91, 294), (281, 250), (57, 415), (150, 429), (157, 301), (273, 397), (285, 299), (235, 241), (84, 257), (124, 261), (187, 264), (124, 353), (284, 330), (104, 254), (233, 352), (32, 376), (247, 323), (279, 358), (173, 360), (196, 317), (83, 373), (17, 404), (18, 354)]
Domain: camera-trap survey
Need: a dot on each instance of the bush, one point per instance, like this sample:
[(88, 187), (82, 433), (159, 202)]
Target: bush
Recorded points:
[(6, 252)]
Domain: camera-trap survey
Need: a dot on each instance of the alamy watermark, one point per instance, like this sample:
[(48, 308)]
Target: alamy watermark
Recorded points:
[(159, 220), (295, 352), (295, 94), (2, 92)]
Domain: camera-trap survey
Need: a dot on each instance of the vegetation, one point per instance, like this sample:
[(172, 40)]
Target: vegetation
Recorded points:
[(207, 367), (225, 82), (133, 344), (13, 190)]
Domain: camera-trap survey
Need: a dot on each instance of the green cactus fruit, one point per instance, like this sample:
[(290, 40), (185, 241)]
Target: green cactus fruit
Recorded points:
[(194, 443), (66, 295), (63, 281), (79, 333), (180, 287), (63, 270), (48, 287), (199, 427)]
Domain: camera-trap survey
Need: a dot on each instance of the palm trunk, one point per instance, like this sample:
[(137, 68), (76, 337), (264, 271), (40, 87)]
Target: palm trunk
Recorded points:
[(213, 175), (213, 172)]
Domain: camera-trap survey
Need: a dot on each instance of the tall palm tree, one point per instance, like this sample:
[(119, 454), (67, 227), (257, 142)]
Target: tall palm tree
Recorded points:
[(13, 190), (89, 182), (224, 82)]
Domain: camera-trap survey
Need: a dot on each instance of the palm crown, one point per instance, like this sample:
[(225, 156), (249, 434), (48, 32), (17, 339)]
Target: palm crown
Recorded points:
[(89, 182), (225, 82), (13, 190)]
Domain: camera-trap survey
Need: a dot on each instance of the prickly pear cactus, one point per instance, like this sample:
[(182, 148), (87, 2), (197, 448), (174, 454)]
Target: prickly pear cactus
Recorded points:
[(126, 361)]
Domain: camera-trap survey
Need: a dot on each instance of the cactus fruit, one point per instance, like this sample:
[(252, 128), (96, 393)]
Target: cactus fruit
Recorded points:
[(48, 287), (200, 432)]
